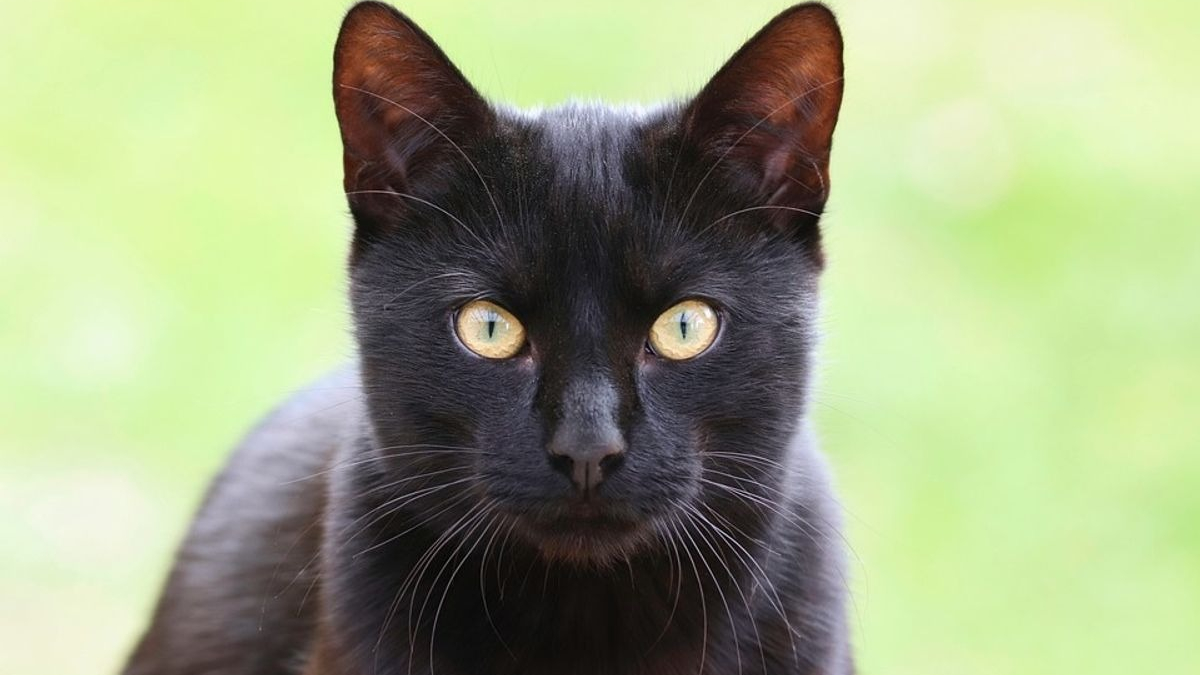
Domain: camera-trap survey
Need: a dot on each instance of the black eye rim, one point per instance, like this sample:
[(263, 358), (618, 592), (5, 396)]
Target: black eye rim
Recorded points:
[(456, 311), (715, 306)]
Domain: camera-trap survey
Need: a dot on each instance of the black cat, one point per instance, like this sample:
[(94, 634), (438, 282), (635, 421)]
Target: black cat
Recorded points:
[(575, 440)]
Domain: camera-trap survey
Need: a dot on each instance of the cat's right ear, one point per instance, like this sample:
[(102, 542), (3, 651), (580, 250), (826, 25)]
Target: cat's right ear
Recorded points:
[(405, 112)]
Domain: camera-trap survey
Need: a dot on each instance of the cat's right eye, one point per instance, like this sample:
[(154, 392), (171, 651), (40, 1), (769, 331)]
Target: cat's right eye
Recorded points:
[(489, 330)]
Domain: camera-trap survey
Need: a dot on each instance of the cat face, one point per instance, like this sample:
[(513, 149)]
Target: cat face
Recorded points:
[(590, 321)]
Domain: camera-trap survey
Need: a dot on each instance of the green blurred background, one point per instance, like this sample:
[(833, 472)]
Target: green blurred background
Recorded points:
[(1012, 365)]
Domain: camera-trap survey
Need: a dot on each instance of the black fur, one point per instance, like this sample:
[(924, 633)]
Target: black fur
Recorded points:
[(423, 528)]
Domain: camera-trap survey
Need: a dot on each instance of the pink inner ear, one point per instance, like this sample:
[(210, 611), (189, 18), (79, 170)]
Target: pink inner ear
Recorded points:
[(776, 166)]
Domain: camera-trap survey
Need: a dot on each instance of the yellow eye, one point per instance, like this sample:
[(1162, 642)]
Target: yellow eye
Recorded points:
[(684, 331), (489, 330)]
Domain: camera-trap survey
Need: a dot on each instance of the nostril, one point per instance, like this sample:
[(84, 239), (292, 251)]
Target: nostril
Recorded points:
[(562, 464), (612, 462)]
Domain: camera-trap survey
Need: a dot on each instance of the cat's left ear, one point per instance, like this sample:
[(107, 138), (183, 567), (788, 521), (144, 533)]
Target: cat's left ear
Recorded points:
[(765, 121)]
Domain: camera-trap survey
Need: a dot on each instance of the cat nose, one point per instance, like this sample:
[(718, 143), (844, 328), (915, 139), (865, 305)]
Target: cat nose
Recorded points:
[(586, 462), (587, 444)]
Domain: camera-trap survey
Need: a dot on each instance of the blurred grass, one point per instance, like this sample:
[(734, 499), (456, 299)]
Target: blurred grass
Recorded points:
[(1011, 373)]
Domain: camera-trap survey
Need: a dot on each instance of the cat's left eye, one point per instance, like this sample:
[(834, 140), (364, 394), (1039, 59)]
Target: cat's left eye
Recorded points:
[(489, 330), (684, 331)]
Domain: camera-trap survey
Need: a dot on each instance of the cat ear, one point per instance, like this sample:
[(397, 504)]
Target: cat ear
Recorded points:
[(404, 110), (766, 119)]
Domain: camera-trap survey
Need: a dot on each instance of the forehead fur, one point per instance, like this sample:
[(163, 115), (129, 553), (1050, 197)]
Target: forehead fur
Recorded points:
[(588, 142)]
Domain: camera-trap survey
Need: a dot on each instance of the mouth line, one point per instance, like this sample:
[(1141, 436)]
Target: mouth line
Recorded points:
[(583, 519)]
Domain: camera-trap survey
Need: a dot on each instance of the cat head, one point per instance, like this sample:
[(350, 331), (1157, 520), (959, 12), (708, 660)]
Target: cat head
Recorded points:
[(589, 322)]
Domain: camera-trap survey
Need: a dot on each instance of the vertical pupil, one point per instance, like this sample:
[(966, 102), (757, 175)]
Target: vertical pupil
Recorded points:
[(683, 325), (491, 326)]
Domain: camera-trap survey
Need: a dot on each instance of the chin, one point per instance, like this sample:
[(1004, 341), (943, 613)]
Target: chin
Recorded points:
[(586, 535)]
